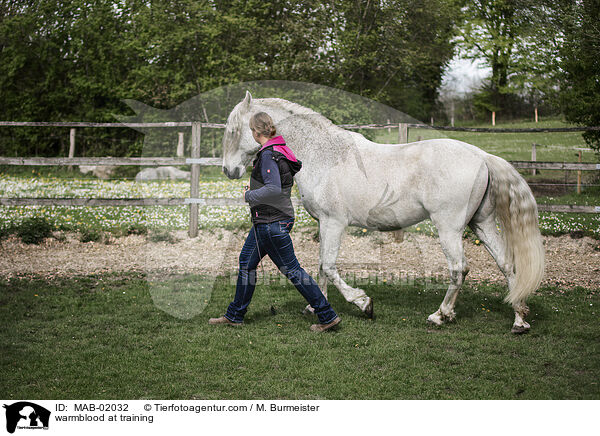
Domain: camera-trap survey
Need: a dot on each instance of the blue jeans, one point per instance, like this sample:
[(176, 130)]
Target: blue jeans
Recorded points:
[(274, 240)]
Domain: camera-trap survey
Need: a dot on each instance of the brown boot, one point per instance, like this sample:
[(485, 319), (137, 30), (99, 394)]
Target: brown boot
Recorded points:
[(323, 327), (223, 320)]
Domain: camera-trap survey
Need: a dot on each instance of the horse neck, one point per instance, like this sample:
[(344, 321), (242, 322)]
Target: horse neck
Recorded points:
[(302, 132)]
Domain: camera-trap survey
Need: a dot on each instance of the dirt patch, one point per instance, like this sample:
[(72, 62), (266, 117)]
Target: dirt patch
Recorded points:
[(569, 262)]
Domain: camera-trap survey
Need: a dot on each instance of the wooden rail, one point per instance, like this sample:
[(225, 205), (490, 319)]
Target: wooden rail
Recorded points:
[(152, 201), (115, 161), (121, 125), (556, 165), (172, 124), (568, 208), (223, 202), (217, 161)]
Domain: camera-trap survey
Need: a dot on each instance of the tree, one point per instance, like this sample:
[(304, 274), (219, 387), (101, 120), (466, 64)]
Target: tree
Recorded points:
[(62, 61), (518, 41), (393, 51), (78, 59), (580, 62)]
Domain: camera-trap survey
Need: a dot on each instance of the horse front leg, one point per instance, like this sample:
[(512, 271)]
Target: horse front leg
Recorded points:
[(330, 232)]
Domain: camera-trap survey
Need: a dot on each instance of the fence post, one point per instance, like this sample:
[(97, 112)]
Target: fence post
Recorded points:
[(402, 133), (493, 118), (402, 139), (579, 153), (533, 157), (195, 178), (71, 146), (180, 144)]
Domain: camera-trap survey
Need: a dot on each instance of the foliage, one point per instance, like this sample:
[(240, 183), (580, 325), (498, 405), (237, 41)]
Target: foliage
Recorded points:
[(34, 230), (78, 60), (394, 52), (580, 61), (90, 234), (137, 229), (519, 41), (62, 61), (161, 235)]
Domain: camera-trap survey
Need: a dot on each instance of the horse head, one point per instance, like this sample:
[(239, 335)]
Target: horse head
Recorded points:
[(238, 144)]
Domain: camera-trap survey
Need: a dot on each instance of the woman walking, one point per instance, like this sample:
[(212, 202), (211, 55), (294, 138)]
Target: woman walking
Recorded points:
[(272, 218)]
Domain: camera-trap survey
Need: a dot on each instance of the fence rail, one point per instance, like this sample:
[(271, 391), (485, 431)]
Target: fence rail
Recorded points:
[(75, 124), (152, 201), (149, 201), (217, 161), (110, 161), (555, 165)]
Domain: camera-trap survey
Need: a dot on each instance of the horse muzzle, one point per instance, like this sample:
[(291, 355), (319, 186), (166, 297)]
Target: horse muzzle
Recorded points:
[(236, 173)]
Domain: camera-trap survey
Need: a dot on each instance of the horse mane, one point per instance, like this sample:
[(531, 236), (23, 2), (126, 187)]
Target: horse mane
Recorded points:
[(296, 109)]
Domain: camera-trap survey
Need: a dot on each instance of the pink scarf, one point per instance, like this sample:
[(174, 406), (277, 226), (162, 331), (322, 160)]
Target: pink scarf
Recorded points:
[(279, 145)]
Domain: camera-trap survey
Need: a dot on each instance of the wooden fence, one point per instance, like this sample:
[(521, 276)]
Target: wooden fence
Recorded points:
[(195, 162)]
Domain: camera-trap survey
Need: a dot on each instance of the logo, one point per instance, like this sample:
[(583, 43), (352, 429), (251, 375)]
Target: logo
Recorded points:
[(25, 415)]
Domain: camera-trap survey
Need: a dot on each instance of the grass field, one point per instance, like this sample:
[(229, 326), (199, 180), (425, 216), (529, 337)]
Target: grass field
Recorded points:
[(101, 337), (554, 147)]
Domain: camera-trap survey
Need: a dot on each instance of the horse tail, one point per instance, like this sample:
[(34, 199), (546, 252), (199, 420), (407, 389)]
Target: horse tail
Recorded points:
[(517, 214)]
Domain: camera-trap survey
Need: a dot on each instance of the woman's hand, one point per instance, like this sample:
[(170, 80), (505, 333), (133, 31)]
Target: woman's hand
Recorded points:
[(244, 189)]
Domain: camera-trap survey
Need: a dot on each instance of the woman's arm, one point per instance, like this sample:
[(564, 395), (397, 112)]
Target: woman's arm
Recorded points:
[(272, 182)]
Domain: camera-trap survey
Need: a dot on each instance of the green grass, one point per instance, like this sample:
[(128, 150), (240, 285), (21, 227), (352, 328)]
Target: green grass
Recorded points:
[(555, 147), (588, 197), (101, 337)]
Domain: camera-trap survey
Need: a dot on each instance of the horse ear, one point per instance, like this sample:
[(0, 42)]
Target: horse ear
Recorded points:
[(248, 99)]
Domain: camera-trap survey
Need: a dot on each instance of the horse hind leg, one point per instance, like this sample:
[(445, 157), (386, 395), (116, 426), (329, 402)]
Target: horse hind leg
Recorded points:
[(452, 246), (331, 232), (487, 231)]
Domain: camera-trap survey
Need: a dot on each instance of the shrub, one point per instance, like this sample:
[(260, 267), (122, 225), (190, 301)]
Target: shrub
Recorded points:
[(90, 235), (34, 230), (60, 237), (161, 235), (137, 229), (6, 232)]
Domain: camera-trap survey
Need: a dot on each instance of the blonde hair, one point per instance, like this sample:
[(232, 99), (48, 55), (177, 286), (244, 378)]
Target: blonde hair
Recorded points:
[(262, 123)]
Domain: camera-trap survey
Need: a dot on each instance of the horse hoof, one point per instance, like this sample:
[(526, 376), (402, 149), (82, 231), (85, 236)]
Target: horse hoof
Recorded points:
[(519, 329), (369, 309), (308, 310), (435, 319)]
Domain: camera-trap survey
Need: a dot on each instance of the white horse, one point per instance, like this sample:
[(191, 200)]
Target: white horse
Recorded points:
[(349, 180)]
